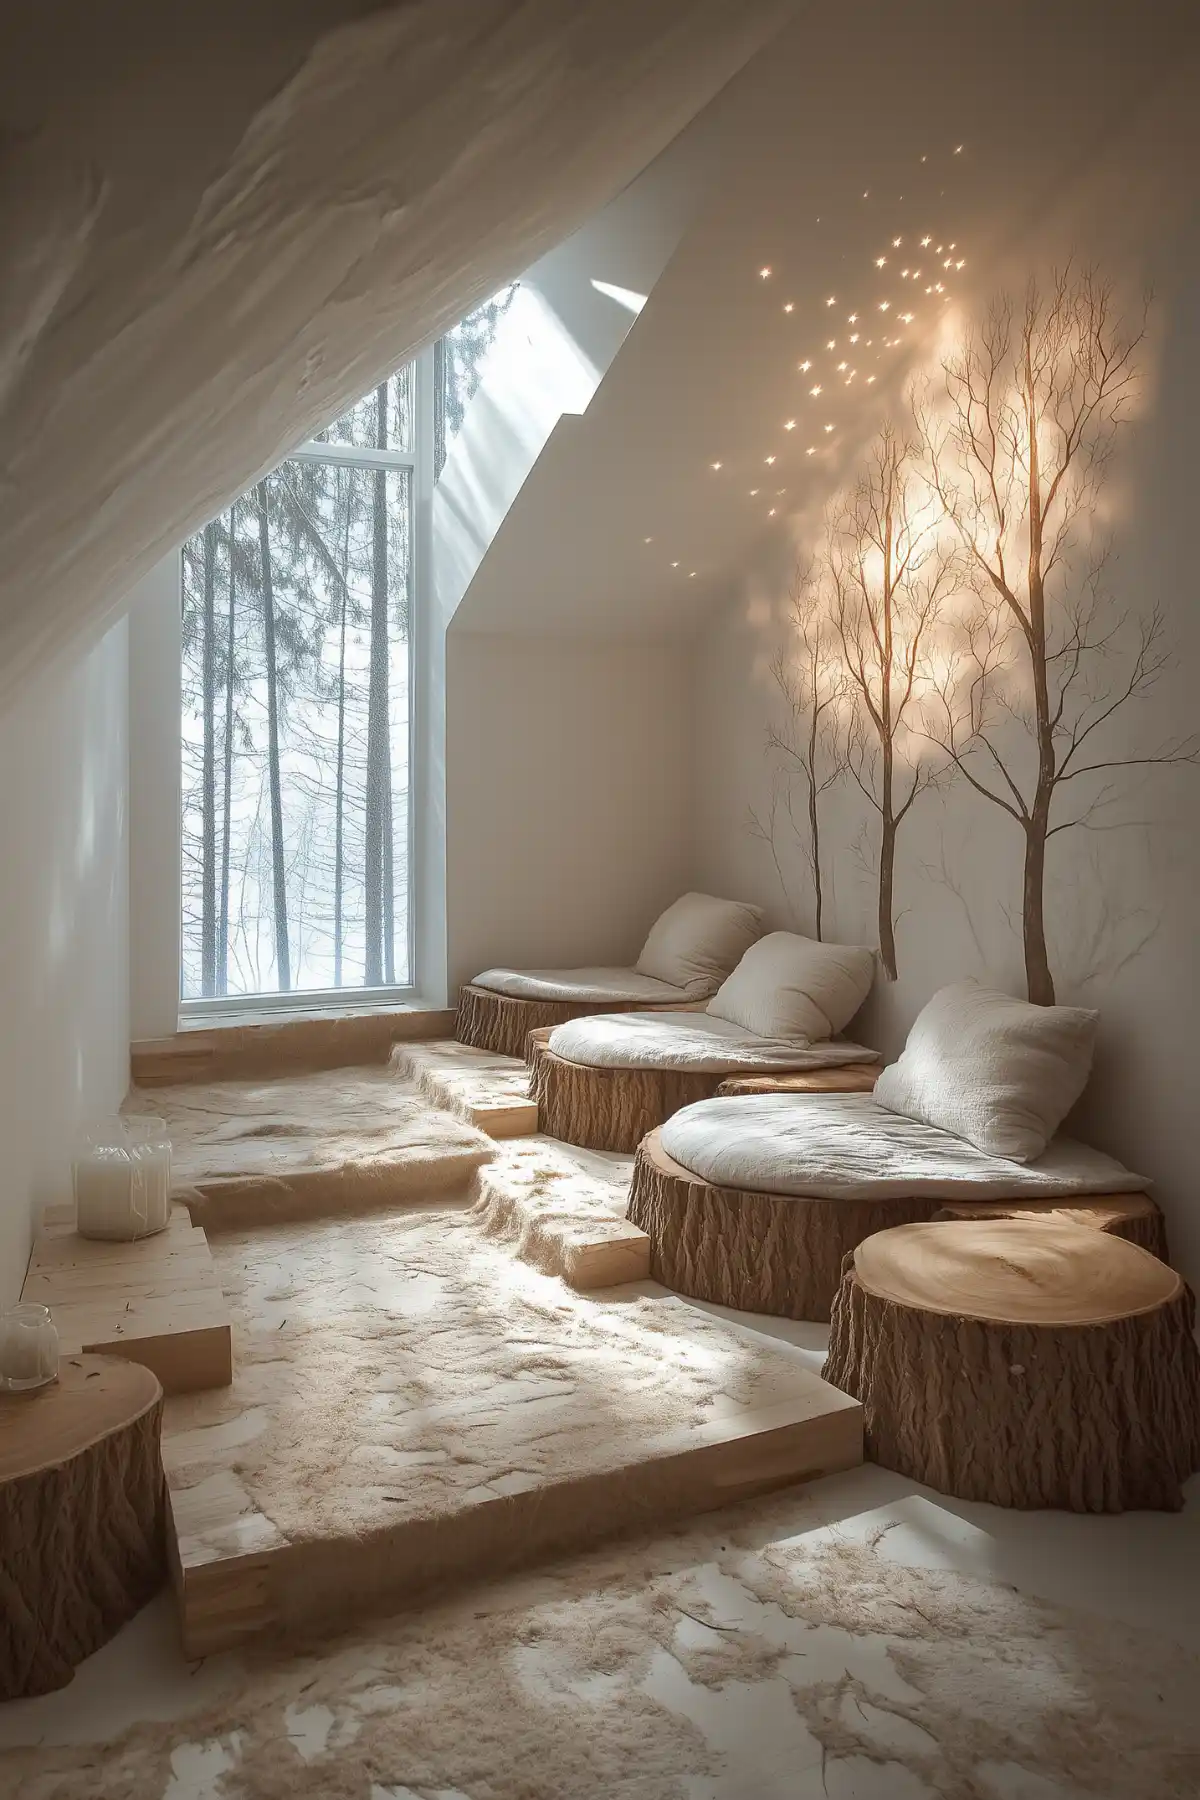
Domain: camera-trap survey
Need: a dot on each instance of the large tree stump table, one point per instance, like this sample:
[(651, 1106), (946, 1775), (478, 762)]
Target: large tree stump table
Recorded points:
[(614, 1109), (82, 1498), (1028, 1362)]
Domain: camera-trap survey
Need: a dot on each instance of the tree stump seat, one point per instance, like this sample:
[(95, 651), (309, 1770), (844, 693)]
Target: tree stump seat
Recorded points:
[(1030, 1362), (614, 1109), (502, 1022), (82, 1521)]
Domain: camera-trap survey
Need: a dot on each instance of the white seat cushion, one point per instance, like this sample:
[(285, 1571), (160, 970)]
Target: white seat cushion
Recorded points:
[(846, 1147), (996, 1071), (698, 941), (795, 987), (668, 1040), (578, 985)]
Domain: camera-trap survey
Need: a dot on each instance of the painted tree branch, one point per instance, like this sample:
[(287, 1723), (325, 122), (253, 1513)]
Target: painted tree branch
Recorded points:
[(1034, 402), (888, 578), (807, 743)]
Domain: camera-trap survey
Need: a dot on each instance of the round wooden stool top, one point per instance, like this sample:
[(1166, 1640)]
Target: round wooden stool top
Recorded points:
[(93, 1397), (1015, 1271), (1025, 1361), (82, 1512)]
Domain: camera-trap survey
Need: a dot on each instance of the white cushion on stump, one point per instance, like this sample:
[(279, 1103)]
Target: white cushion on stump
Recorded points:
[(697, 941), (998, 1072), (692, 1041), (795, 987), (578, 985), (845, 1147)]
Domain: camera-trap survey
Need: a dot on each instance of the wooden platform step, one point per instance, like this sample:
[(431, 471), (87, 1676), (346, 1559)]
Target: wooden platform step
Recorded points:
[(488, 1091), (414, 1408), (257, 1048), (318, 1144), (563, 1210), (157, 1301)]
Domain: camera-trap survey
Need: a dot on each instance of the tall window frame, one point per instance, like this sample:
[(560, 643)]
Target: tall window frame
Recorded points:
[(419, 462)]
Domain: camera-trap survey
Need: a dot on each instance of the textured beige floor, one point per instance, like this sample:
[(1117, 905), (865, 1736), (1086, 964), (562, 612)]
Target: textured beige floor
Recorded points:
[(402, 1365), (341, 1141)]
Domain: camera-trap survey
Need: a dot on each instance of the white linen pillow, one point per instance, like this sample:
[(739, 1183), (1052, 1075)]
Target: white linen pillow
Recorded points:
[(996, 1071), (795, 987), (697, 941)]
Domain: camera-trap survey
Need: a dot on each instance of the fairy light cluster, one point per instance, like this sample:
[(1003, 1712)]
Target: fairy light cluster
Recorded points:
[(916, 288)]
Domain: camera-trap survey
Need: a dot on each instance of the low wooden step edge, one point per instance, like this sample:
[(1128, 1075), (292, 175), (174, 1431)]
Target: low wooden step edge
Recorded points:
[(282, 1046)]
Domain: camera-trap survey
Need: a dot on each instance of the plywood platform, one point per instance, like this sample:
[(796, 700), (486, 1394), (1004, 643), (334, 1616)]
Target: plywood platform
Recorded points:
[(338, 1141), (157, 1301), (413, 1406), (488, 1091)]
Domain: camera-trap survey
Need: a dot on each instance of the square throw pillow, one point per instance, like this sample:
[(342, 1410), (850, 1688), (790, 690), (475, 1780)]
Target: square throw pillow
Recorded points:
[(794, 987), (996, 1071), (697, 941)]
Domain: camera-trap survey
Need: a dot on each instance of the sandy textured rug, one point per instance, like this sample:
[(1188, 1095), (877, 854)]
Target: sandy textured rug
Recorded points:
[(341, 1141), (541, 1199), (625, 1673), (399, 1365)]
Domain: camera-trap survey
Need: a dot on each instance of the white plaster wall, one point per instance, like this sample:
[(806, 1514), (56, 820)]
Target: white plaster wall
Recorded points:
[(568, 810), (64, 1018)]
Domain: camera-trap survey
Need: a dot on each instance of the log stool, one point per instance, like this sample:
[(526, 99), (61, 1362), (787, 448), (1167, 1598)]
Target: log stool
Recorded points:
[(82, 1507), (1029, 1362)]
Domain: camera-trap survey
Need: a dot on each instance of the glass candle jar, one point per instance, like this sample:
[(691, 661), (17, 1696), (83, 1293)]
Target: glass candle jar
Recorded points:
[(150, 1147), (28, 1347)]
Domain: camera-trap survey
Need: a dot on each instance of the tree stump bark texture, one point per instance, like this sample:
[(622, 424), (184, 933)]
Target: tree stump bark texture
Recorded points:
[(1027, 1362), (82, 1517)]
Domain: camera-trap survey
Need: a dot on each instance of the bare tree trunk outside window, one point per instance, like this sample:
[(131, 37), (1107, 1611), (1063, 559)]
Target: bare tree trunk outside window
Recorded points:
[(339, 836), (208, 892), (379, 770), (227, 799), (278, 869)]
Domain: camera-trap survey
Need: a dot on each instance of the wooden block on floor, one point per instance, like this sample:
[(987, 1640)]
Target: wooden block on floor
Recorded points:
[(488, 1091), (260, 1048), (606, 1258), (563, 1210), (156, 1301)]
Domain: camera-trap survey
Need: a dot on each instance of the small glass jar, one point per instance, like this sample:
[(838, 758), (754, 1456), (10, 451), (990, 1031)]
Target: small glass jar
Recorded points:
[(28, 1347), (150, 1147)]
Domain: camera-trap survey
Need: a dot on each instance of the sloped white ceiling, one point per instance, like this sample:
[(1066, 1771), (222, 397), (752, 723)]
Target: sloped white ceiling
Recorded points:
[(857, 126), (222, 222)]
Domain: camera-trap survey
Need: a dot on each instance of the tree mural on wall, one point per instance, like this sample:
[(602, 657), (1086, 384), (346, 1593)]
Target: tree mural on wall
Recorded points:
[(1045, 659), (808, 745), (888, 576)]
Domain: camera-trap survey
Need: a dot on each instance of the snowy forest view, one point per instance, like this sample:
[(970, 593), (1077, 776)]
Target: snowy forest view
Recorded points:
[(297, 605)]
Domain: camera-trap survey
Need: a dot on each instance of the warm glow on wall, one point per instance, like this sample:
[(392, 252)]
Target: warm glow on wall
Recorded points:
[(764, 273), (789, 424)]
